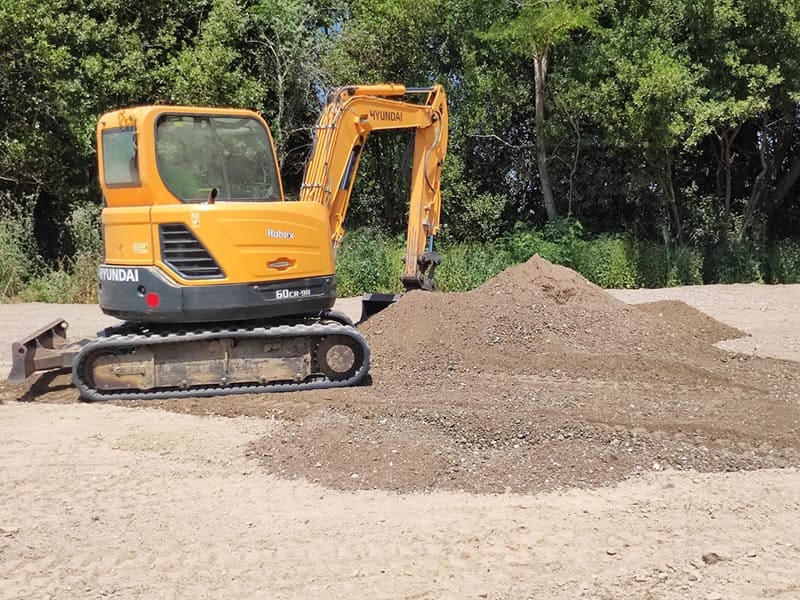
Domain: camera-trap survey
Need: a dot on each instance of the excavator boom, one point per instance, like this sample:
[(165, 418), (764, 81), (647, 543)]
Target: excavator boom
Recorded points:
[(340, 134)]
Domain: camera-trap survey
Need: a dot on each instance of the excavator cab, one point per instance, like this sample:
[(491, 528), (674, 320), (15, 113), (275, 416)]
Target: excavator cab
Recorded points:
[(195, 224)]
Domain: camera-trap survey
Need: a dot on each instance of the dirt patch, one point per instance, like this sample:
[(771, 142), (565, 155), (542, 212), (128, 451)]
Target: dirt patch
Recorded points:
[(516, 322), (108, 502)]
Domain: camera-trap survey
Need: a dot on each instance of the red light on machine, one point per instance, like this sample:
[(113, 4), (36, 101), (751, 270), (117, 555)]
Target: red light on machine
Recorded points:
[(152, 299)]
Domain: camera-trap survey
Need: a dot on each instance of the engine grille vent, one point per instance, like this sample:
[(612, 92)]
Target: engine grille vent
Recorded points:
[(185, 254)]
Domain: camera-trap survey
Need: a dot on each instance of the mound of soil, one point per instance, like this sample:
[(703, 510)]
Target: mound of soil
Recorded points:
[(538, 380), (528, 320)]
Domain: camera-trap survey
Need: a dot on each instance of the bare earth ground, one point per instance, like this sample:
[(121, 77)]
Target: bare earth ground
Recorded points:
[(535, 438)]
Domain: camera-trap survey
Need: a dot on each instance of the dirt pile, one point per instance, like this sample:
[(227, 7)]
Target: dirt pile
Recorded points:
[(537, 380), (529, 318)]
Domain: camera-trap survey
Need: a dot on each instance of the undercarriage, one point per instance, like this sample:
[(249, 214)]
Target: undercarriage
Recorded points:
[(142, 361)]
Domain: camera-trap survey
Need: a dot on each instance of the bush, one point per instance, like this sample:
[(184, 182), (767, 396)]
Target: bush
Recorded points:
[(85, 229), (656, 267), (784, 262), (368, 261), (83, 269), (466, 266), (526, 241), (53, 286), (25, 276), (653, 269), (608, 261), (73, 281), (372, 262), (17, 258), (686, 267), (734, 262)]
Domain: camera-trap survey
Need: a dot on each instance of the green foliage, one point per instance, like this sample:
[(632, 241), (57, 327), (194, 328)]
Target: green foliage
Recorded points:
[(26, 276), (467, 212), (686, 266), (557, 241), (644, 100), (748, 74), (208, 72), (85, 229), (16, 257), (368, 261), (567, 234), (526, 241), (466, 266), (541, 25), (74, 280), (660, 266), (83, 269), (56, 287), (784, 262), (608, 261), (404, 27), (734, 262)]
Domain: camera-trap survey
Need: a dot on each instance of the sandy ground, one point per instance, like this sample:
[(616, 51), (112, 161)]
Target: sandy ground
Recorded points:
[(106, 501)]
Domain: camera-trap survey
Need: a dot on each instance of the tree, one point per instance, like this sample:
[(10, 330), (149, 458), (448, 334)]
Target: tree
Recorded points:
[(383, 41), (751, 86), (534, 33), (289, 42), (63, 64)]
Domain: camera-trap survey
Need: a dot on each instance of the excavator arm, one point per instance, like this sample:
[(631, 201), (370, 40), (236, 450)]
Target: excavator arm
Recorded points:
[(340, 135)]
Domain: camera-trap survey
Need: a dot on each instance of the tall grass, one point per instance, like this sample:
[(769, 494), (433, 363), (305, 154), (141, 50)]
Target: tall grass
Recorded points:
[(17, 260), (734, 261), (26, 277), (368, 261), (783, 263), (466, 266)]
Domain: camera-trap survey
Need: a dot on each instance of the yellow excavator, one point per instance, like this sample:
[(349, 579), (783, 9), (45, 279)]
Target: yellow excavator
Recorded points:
[(223, 285)]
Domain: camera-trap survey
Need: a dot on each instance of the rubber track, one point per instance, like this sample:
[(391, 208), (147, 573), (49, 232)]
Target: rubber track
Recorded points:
[(140, 340)]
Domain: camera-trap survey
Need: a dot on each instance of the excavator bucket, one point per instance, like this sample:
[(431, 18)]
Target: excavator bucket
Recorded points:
[(422, 279), (374, 303), (45, 349)]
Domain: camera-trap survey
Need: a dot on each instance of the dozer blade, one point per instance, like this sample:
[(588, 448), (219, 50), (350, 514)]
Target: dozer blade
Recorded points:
[(372, 304), (43, 350)]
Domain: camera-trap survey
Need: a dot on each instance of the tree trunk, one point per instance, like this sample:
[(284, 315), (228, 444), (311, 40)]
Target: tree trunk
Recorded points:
[(761, 183), (789, 178), (671, 201), (725, 137), (280, 138), (540, 74), (575, 161), (786, 183), (727, 159)]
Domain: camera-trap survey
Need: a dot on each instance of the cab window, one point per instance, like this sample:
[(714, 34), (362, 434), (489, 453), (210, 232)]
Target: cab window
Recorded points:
[(196, 154), (120, 165)]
